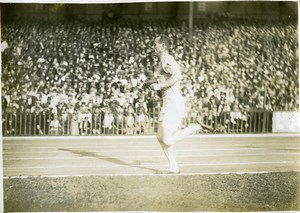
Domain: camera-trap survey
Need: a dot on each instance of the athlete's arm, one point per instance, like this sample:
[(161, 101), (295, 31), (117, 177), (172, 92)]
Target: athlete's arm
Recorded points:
[(175, 76)]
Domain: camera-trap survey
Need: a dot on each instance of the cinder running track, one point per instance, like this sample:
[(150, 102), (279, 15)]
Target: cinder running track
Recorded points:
[(142, 155)]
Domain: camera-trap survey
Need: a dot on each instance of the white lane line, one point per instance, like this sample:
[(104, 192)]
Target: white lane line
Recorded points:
[(138, 175), (126, 157), (112, 165), (147, 151)]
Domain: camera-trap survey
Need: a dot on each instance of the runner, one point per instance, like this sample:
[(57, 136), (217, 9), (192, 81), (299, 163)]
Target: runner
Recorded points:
[(173, 108)]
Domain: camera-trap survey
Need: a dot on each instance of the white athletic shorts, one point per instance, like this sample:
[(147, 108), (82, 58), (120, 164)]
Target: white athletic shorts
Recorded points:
[(172, 111)]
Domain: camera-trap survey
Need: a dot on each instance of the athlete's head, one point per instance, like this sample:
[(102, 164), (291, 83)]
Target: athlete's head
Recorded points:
[(162, 43)]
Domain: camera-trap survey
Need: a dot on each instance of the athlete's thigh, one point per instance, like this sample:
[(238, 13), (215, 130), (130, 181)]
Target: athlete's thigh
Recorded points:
[(164, 132), (167, 133)]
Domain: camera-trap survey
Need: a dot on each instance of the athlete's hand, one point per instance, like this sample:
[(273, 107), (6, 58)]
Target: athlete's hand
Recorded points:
[(155, 86), (148, 83)]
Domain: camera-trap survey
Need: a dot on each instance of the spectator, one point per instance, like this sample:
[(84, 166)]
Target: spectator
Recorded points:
[(84, 120), (74, 126), (252, 62), (141, 120), (129, 120), (36, 121), (55, 126), (237, 117), (108, 119), (96, 121)]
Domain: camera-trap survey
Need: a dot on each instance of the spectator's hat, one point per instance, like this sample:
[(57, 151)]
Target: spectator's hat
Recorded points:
[(93, 89)]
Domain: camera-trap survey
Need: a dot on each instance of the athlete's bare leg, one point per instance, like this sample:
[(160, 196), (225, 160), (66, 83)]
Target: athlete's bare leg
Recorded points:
[(168, 151), (167, 137), (170, 137)]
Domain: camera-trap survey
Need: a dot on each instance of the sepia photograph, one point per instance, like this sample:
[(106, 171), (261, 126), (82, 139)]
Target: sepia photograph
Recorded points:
[(150, 106)]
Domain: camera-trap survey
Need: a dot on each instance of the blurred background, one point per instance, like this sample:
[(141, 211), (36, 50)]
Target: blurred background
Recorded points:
[(79, 69), (156, 10)]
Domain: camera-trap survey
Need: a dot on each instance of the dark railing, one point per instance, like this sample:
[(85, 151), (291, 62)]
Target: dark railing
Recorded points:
[(37, 124)]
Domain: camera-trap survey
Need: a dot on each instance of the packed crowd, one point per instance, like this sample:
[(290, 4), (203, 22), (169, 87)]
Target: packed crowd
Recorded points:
[(82, 69)]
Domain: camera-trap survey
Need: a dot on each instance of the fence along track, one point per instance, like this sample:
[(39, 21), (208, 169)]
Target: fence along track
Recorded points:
[(46, 123)]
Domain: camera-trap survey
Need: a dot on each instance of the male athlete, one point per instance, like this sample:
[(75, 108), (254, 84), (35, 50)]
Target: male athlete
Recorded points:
[(173, 108)]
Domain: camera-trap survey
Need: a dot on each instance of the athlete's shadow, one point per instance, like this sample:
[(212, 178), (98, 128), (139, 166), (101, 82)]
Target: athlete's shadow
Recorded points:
[(134, 163)]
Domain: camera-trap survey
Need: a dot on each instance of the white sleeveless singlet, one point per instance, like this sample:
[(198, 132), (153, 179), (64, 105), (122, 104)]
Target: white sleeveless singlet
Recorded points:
[(173, 108)]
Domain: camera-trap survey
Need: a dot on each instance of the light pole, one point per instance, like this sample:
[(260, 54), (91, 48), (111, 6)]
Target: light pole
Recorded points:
[(191, 10)]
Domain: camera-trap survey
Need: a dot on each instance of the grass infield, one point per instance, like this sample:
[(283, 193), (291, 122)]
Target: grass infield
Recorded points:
[(275, 191)]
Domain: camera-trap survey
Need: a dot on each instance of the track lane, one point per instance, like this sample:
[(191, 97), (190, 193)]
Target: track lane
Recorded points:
[(141, 155)]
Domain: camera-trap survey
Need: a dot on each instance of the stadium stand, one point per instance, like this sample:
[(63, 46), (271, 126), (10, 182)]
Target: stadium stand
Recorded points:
[(77, 77)]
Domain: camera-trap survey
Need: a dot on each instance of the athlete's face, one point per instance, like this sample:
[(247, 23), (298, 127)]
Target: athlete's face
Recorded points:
[(158, 47)]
